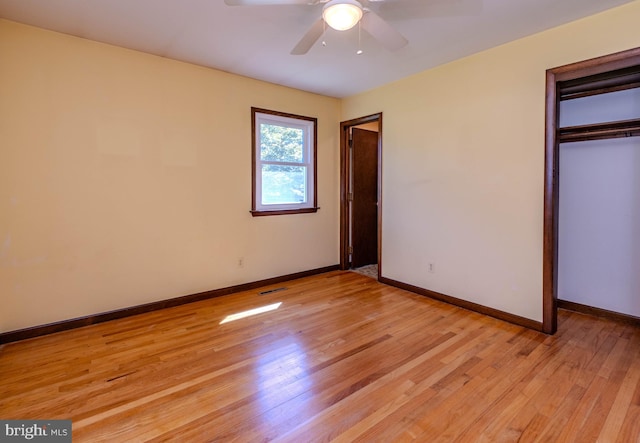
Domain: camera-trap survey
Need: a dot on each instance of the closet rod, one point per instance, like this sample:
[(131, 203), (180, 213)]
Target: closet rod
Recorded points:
[(599, 131)]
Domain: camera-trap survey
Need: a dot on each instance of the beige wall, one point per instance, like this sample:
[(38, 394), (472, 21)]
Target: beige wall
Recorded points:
[(463, 162), (372, 126), (125, 179)]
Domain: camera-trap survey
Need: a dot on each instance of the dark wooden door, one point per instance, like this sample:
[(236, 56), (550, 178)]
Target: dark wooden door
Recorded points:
[(364, 208)]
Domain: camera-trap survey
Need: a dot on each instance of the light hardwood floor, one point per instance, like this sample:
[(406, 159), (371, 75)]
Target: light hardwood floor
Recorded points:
[(343, 358)]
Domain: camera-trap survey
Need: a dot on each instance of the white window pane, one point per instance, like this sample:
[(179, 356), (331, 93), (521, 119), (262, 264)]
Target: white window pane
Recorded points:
[(284, 163), (281, 143), (283, 184)]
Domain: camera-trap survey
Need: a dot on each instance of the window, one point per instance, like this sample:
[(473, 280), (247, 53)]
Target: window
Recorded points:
[(284, 163)]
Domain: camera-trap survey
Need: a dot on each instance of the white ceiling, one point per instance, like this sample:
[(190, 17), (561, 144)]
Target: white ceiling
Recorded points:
[(255, 41)]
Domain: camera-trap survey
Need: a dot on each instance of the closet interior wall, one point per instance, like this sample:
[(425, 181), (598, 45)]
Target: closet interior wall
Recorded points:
[(599, 192)]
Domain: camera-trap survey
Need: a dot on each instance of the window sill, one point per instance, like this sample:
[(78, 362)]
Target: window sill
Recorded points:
[(284, 212)]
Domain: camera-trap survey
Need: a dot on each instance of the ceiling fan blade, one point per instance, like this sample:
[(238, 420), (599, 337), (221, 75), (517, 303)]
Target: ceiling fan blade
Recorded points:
[(307, 41), (267, 2), (382, 31)]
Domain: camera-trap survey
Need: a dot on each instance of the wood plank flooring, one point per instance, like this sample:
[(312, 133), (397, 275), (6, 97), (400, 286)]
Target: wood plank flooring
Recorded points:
[(343, 358)]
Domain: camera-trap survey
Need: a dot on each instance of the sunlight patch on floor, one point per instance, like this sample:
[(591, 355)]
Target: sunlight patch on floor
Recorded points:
[(250, 312)]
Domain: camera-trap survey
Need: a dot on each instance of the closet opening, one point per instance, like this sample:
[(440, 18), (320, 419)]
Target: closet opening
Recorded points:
[(588, 105)]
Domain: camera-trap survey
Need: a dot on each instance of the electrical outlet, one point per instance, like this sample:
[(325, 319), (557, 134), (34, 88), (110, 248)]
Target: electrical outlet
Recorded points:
[(432, 268), (241, 262)]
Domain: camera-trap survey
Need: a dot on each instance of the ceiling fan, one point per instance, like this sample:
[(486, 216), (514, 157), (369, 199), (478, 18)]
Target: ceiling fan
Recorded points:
[(340, 15)]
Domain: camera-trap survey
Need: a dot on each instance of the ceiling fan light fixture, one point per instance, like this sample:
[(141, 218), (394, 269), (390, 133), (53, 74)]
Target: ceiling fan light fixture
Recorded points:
[(342, 14)]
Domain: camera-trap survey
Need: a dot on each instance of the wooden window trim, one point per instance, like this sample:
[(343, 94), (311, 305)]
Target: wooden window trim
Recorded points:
[(306, 210)]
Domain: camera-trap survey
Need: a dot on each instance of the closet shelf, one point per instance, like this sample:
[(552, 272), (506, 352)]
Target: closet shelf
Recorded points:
[(599, 131)]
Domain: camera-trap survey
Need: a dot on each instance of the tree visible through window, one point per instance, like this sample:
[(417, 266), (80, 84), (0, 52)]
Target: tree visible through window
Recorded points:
[(284, 163)]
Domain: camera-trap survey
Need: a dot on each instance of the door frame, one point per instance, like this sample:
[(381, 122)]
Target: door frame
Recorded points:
[(555, 76), (345, 168)]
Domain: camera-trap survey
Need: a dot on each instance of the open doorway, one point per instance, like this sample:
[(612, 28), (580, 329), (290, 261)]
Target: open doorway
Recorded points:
[(610, 74), (360, 194)]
